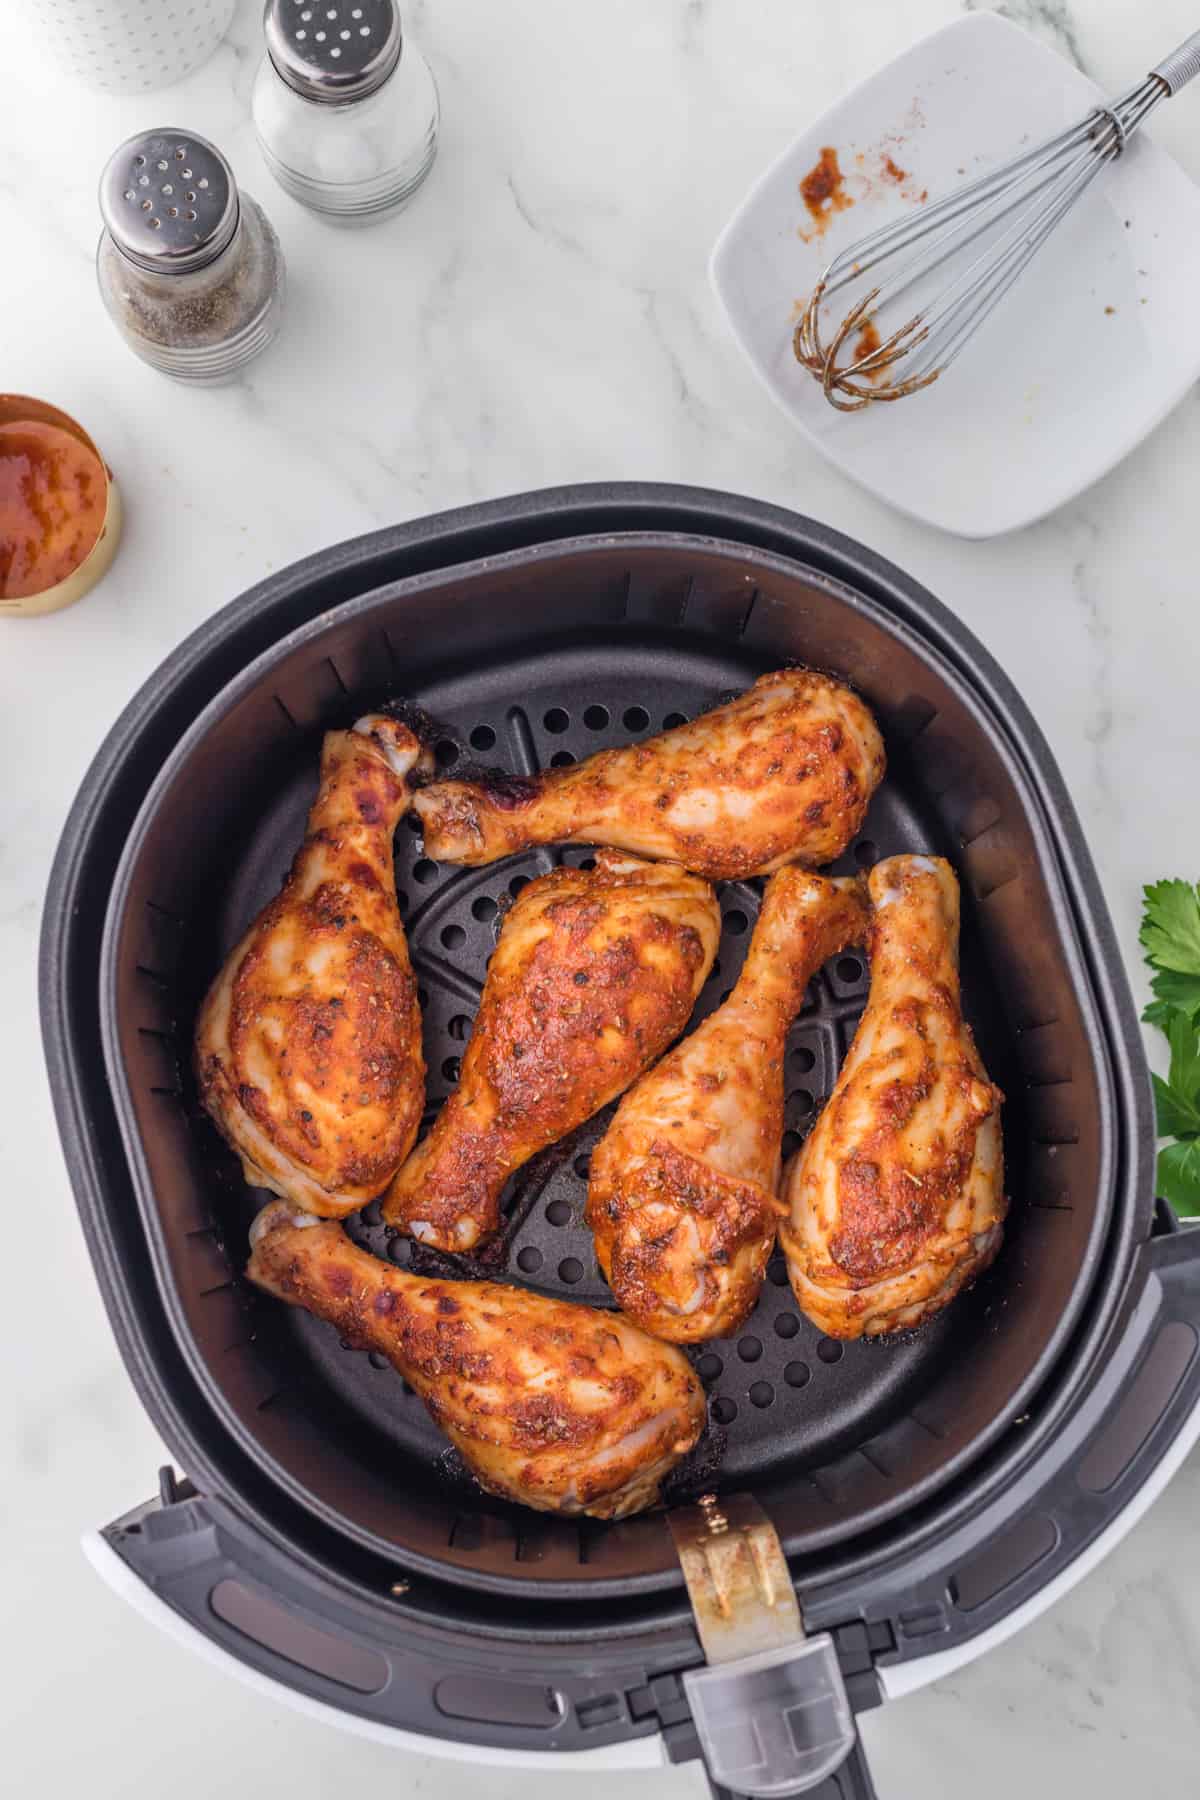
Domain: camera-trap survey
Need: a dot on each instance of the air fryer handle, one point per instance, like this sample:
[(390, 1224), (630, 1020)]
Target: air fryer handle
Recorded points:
[(851, 1782)]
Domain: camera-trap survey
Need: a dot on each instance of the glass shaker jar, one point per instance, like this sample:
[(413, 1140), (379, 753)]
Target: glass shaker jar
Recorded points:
[(345, 108), (189, 268)]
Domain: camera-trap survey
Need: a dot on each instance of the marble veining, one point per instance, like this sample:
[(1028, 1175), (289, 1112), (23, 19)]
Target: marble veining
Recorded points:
[(541, 314), (1052, 20)]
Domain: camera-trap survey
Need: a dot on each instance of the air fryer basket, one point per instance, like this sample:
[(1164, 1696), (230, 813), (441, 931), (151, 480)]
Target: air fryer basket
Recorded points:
[(542, 655), (922, 1488)]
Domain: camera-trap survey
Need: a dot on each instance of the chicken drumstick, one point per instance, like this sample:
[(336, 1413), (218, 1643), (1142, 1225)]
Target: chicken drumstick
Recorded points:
[(682, 1197), (555, 1405), (781, 774), (897, 1199), (308, 1046), (594, 974)]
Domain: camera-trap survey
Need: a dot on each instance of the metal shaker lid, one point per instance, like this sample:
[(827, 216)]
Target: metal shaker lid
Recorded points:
[(333, 50), (169, 201)]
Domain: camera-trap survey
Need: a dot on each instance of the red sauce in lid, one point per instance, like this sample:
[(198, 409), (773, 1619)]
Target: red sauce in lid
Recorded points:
[(53, 498)]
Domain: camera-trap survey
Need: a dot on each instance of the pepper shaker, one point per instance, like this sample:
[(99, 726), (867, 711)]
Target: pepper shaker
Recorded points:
[(189, 268), (345, 107)]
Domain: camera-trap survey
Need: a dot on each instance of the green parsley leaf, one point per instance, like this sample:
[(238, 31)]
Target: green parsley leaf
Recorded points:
[(1174, 989), (1179, 1177), (1177, 1116), (1170, 931), (1170, 936), (1184, 1073)]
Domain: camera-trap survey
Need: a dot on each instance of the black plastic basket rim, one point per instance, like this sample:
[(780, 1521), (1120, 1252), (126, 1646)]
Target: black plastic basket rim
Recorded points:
[(250, 677), (533, 518)]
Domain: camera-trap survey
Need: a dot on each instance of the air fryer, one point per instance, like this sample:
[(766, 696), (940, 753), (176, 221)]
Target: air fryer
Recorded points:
[(924, 1490)]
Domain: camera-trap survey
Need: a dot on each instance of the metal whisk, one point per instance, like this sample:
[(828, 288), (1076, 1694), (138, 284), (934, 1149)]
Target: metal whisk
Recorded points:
[(1015, 208)]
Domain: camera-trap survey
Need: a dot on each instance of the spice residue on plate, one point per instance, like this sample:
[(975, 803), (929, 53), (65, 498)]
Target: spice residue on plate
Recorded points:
[(889, 170), (827, 189), (53, 497), (823, 191)]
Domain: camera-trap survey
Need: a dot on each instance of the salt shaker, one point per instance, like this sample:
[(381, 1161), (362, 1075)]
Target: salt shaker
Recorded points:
[(189, 267), (345, 107)]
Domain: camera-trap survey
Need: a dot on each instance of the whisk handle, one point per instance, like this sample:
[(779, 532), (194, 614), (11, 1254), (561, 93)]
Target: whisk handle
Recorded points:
[(1178, 69)]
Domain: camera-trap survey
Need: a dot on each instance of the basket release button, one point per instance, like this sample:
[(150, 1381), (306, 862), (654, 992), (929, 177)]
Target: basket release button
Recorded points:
[(770, 1708)]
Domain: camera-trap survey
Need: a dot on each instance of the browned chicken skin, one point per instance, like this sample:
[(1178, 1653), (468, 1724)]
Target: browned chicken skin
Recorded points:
[(595, 973), (897, 1200), (682, 1196), (781, 774), (558, 1406), (308, 1046)]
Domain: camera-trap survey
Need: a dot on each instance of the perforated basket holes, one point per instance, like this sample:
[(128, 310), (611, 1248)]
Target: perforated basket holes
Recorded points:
[(779, 1387), (779, 1401)]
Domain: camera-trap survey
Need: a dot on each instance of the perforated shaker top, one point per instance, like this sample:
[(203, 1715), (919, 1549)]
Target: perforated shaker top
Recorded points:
[(169, 200), (333, 50)]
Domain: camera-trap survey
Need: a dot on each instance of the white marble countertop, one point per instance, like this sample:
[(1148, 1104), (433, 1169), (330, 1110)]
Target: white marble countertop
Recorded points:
[(540, 315)]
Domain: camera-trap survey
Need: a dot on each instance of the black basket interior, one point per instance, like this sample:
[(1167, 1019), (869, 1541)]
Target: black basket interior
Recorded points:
[(549, 655)]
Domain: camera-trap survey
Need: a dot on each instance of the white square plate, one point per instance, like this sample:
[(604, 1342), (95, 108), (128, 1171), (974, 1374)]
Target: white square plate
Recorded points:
[(1092, 347)]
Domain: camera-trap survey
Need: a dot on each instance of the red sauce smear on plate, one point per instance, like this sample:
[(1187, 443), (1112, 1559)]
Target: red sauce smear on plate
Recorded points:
[(823, 189)]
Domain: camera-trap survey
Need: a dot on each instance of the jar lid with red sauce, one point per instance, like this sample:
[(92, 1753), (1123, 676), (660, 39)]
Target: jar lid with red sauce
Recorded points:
[(60, 512)]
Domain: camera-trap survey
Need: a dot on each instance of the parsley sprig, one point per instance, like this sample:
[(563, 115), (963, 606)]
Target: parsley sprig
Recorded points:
[(1170, 936)]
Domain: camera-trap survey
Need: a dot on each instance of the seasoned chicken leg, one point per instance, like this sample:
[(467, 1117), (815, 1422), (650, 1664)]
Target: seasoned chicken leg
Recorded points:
[(781, 774), (593, 976), (682, 1192), (897, 1199), (563, 1408), (308, 1047)]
